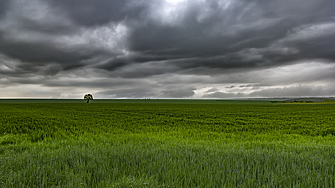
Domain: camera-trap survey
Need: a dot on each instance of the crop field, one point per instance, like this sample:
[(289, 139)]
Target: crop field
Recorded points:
[(166, 143)]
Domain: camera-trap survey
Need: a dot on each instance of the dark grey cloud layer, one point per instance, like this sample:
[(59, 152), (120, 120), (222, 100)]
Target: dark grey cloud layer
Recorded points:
[(178, 46), (91, 13)]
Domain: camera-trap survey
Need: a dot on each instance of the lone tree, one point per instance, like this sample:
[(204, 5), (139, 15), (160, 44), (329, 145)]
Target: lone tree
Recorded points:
[(88, 97)]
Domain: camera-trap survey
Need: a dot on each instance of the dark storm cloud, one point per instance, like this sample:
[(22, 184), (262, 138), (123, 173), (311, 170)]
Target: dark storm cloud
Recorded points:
[(213, 34), (100, 12), (43, 37), (3, 7), (172, 43), (249, 34)]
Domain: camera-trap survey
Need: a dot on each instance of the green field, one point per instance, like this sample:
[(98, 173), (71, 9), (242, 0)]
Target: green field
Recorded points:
[(166, 143)]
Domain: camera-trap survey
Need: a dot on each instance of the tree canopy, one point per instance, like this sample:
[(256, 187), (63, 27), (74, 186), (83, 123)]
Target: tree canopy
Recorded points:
[(88, 97)]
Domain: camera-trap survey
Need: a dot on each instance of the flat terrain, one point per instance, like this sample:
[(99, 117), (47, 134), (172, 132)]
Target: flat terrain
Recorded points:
[(166, 143)]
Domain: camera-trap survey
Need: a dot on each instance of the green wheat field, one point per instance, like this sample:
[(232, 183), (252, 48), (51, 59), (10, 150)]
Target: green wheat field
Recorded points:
[(166, 143)]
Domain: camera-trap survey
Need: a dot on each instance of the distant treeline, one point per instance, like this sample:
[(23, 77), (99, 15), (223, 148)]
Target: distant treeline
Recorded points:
[(292, 101)]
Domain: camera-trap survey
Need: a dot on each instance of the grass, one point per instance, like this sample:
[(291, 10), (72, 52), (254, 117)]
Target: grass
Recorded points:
[(177, 144)]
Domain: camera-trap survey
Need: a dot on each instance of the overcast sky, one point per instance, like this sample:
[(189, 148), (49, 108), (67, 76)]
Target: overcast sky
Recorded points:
[(167, 48)]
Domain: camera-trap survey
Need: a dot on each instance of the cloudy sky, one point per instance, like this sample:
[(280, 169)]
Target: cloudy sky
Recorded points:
[(167, 48)]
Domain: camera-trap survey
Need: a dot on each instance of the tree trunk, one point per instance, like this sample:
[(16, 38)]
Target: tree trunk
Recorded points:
[(88, 100)]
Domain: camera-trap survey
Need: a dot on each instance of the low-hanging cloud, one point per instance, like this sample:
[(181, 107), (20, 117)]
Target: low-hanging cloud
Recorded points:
[(169, 49)]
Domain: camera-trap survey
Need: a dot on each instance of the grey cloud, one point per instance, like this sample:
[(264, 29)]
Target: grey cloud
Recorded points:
[(3, 7), (40, 94), (245, 40), (44, 53), (304, 73), (178, 93), (224, 95), (66, 82), (145, 70), (149, 91), (249, 85), (100, 12), (293, 91), (134, 92), (165, 47), (303, 91), (239, 35), (95, 84), (40, 36), (213, 89)]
